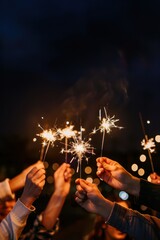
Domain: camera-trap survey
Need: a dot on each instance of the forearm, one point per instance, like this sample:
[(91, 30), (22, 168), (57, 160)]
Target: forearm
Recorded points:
[(12, 226), (17, 182), (53, 209), (5, 190), (134, 224), (133, 186), (149, 194)]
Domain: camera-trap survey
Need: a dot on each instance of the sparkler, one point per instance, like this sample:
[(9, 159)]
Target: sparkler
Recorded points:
[(49, 137), (79, 148), (147, 143), (106, 125), (67, 133)]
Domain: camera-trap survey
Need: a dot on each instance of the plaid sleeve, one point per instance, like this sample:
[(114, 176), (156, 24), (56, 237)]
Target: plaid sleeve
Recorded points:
[(39, 232)]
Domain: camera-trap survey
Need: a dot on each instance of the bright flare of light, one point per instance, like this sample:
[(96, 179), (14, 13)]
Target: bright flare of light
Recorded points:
[(80, 149), (48, 138), (149, 144), (48, 135), (68, 132), (106, 125)]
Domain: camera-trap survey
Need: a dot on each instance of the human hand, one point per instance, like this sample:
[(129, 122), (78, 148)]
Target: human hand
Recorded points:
[(62, 179), (116, 176), (18, 181), (89, 197), (155, 178), (34, 184)]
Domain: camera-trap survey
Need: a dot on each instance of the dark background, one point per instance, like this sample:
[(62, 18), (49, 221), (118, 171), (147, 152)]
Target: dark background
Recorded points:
[(65, 60)]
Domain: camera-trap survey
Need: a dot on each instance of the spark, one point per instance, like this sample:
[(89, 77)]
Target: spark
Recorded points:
[(106, 125), (148, 145), (49, 137), (80, 148), (67, 133)]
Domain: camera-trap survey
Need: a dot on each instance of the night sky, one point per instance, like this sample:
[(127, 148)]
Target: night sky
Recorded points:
[(64, 60)]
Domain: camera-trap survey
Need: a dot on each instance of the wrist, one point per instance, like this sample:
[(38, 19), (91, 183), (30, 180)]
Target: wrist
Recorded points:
[(60, 193), (27, 201)]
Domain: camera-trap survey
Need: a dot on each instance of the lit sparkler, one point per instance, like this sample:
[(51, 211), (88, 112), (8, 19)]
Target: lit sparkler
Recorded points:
[(49, 137), (79, 148), (67, 133), (106, 125), (147, 143)]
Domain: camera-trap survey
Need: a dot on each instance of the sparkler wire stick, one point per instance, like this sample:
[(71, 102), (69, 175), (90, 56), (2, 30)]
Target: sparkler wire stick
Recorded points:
[(146, 139), (66, 147), (102, 144), (46, 151), (42, 151)]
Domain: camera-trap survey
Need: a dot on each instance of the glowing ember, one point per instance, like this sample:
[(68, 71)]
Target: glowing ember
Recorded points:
[(149, 144), (79, 148), (106, 125)]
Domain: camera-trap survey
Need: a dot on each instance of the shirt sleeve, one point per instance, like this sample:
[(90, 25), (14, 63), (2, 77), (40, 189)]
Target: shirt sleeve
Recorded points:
[(136, 225), (149, 194), (39, 232), (12, 226), (5, 190)]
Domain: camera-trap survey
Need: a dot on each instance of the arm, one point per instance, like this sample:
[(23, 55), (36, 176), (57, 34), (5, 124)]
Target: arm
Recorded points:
[(12, 226), (62, 181), (117, 177), (126, 220), (10, 186), (18, 181)]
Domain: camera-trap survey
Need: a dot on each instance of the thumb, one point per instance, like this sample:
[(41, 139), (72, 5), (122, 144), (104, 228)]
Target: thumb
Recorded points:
[(108, 167), (84, 184)]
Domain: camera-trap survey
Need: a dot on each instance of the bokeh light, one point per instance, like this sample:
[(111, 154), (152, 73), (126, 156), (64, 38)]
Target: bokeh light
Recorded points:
[(134, 167), (142, 158), (55, 166), (88, 170), (50, 179), (89, 179), (96, 181), (157, 138), (141, 172), (46, 164), (123, 195)]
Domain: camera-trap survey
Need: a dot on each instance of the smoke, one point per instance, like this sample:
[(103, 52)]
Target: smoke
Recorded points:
[(101, 87)]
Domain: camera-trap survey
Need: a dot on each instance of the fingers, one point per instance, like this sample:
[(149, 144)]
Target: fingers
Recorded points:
[(83, 186), (64, 171), (36, 173), (67, 174)]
